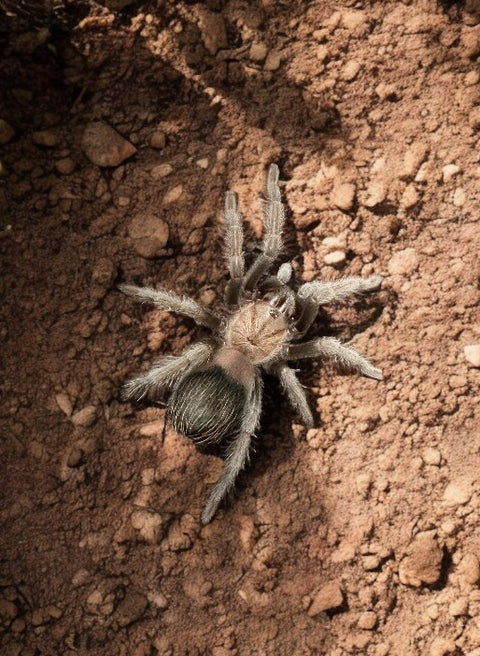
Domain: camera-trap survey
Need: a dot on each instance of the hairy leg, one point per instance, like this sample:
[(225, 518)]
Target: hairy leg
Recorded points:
[(329, 347), (272, 240), (294, 391), (312, 295), (234, 249), (172, 302), (237, 452), (164, 372)]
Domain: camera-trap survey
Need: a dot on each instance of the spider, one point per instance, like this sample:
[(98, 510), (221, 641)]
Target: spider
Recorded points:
[(216, 385)]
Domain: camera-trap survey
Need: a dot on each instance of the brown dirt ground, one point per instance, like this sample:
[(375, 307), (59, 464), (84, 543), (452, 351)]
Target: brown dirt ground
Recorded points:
[(359, 537)]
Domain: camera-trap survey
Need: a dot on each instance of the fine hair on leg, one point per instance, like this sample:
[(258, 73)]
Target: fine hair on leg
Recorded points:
[(233, 249), (294, 391), (172, 302), (237, 452), (272, 241), (164, 372), (329, 347), (311, 295)]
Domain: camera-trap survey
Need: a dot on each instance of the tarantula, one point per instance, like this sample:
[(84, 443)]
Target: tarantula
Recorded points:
[(216, 386)]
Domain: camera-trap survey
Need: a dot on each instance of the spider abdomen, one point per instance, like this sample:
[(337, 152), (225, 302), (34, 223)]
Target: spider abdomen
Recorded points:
[(207, 405), (257, 331)]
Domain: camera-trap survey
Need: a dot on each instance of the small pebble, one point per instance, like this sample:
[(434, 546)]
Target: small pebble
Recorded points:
[(213, 30), (469, 569), (350, 70), (343, 195), (104, 146), (367, 620), (161, 171), (413, 158), (403, 262), (474, 118), (322, 53), (334, 258), (458, 607), (459, 197), (442, 647), (386, 91), (449, 171), (376, 193), (458, 492), (75, 457), (258, 51), (329, 597), (431, 456), (158, 140), (6, 132), (409, 198), (131, 608), (149, 525), (65, 166), (202, 163), (84, 417), (472, 354), (64, 403), (273, 61), (46, 138), (173, 194), (472, 78), (422, 562), (149, 235)]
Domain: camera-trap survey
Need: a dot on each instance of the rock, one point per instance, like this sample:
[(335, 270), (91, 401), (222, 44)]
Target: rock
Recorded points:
[(376, 193), (474, 118), (403, 262), (469, 569), (273, 61), (458, 492), (46, 138), (64, 403), (449, 171), (350, 71), (459, 607), (65, 166), (413, 158), (104, 146), (431, 456), (104, 272), (158, 140), (409, 198), (258, 51), (472, 78), (75, 457), (149, 524), (367, 620), (459, 197), (212, 28), (442, 647), (84, 417), (131, 608), (472, 354), (335, 257), (329, 597), (149, 235), (173, 195), (422, 563), (343, 195), (6, 132), (161, 171)]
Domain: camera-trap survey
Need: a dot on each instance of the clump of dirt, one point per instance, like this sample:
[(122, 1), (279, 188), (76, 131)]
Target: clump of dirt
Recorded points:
[(358, 536)]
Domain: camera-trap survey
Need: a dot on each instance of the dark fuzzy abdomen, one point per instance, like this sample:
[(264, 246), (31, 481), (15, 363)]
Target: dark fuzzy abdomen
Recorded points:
[(207, 405)]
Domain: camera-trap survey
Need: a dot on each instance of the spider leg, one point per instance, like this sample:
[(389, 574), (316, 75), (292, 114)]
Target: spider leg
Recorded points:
[(312, 295), (234, 249), (329, 347), (237, 452), (172, 302), (294, 391), (272, 240), (164, 372)]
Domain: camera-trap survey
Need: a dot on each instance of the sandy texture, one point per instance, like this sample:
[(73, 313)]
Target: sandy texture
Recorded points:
[(360, 536)]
